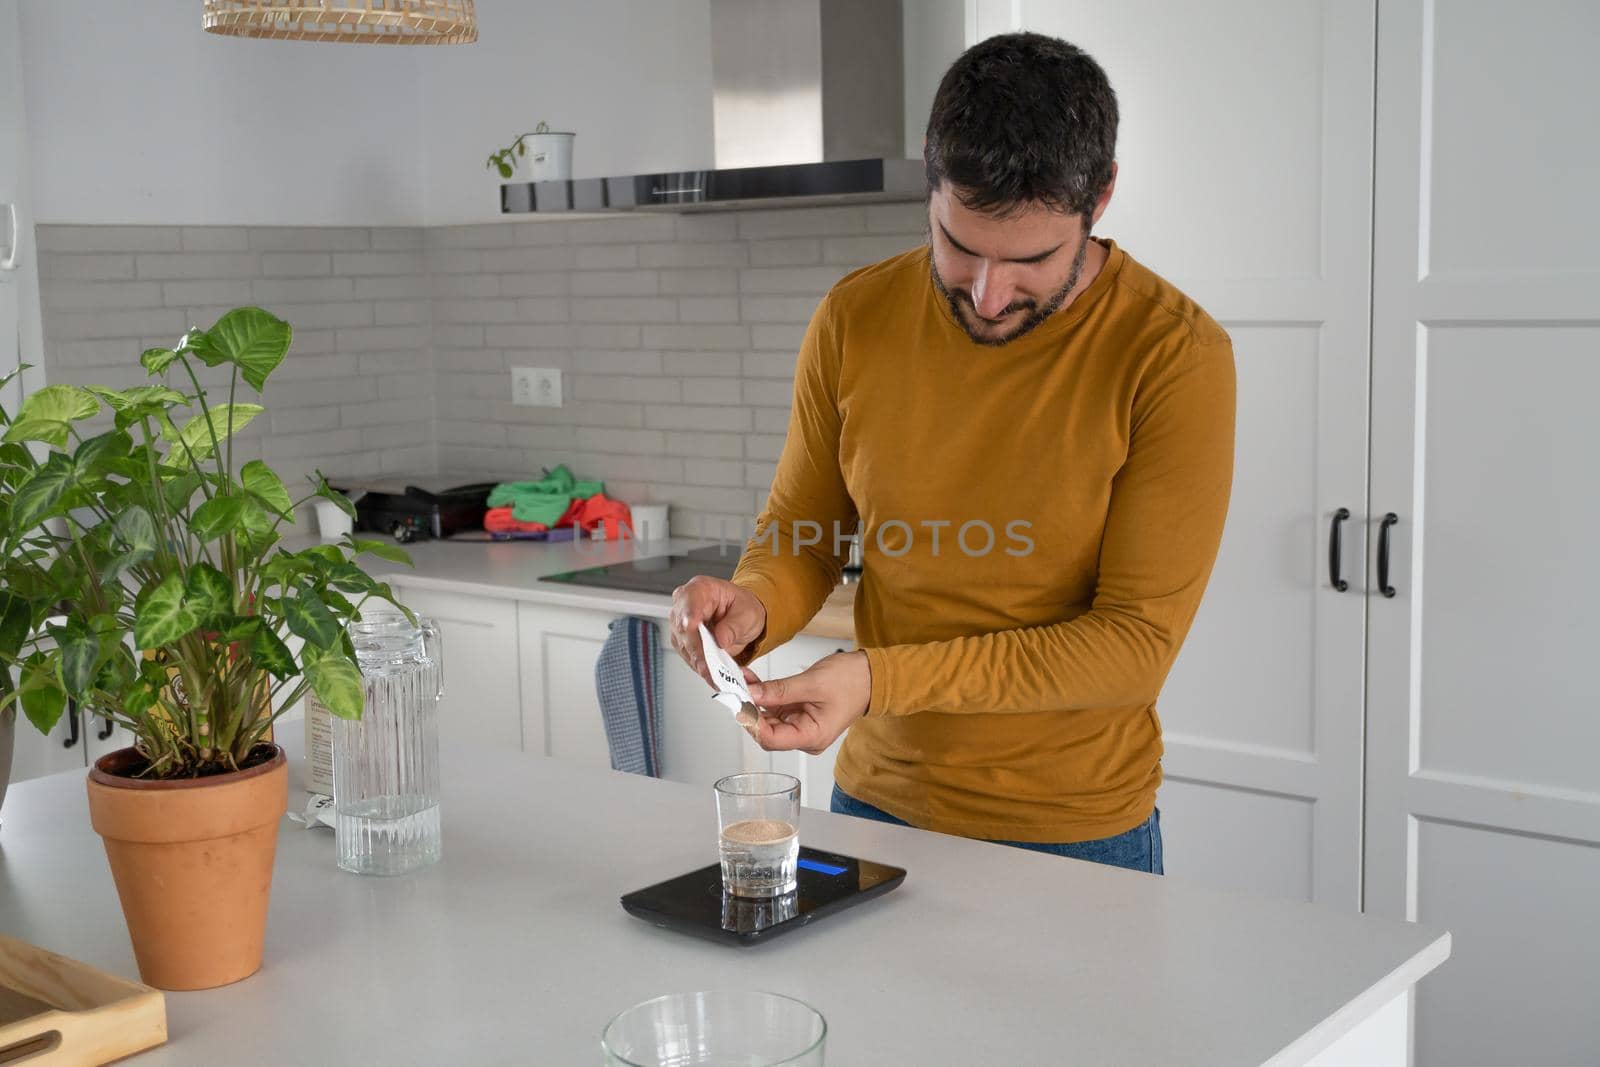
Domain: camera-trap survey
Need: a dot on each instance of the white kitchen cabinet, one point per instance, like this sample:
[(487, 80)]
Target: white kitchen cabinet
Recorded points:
[(561, 710), (481, 686), (1483, 799), (815, 772)]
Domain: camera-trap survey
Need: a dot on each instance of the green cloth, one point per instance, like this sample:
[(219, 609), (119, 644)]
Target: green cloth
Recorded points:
[(545, 500)]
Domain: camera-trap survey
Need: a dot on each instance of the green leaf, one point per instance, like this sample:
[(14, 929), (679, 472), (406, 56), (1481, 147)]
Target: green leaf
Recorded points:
[(328, 492), (350, 578), (50, 431), (6, 378), (80, 650), (16, 619), (381, 549), (266, 486), (117, 673), (96, 452), (223, 420), (309, 618), (238, 628), (43, 699), (136, 529), (341, 607), (157, 360), (272, 654), (251, 339), (339, 685), (180, 489), (160, 616), (216, 517), (59, 403), (41, 495), (208, 593)]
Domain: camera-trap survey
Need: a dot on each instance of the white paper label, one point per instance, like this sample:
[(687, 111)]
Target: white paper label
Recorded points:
[(729, 678), (319, 747)]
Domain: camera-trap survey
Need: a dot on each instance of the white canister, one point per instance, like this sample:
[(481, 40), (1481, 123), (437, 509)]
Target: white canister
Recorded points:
[(549, 157), (649, 522), (332, 521)]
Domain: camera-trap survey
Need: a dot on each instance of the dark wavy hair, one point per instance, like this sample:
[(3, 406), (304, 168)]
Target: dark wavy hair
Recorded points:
[(1023, 117)]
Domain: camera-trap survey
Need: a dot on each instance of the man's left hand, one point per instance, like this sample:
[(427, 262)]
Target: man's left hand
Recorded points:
[(808, 711)]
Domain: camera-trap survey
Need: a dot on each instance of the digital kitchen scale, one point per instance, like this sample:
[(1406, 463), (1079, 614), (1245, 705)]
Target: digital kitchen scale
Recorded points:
[(695, 903)]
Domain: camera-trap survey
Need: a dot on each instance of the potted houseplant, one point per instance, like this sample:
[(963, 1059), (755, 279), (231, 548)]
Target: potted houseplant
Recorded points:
[(550, 159), (142, 577)]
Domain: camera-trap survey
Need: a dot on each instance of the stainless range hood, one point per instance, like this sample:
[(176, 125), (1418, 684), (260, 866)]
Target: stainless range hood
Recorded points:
[(807, 107)]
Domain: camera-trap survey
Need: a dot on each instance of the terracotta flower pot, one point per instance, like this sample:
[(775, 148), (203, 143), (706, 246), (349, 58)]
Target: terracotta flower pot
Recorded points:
[(192, 861)]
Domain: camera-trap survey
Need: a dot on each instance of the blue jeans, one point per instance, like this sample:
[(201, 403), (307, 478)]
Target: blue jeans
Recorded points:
[(1138, 849)]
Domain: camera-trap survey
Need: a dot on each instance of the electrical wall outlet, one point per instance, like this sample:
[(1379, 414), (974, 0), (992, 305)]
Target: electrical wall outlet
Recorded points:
[(536, 387)]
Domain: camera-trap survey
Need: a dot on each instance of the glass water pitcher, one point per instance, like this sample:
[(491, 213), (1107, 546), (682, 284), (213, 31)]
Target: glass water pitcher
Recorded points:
[(386, 764)]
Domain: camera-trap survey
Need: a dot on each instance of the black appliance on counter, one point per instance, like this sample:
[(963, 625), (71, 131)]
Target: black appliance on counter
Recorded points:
[(655, 574), (412, 510)]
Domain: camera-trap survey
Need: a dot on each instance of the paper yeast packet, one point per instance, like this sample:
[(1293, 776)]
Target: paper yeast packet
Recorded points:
[(731, 692)]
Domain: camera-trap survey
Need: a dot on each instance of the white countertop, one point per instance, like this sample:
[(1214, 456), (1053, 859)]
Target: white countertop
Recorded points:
[(515, 950)]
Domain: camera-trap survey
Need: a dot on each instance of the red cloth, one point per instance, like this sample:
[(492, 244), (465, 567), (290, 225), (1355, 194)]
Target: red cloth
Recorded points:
[(601, 510), (500, 520)]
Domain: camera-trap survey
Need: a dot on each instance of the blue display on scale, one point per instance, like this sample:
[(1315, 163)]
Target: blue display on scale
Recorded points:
[(821, 868)]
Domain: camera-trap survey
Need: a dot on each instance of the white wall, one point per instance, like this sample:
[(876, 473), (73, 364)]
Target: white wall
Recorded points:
[(136, 115), (632, 79)]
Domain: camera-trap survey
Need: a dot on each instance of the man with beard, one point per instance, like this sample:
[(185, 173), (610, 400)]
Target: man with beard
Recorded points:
[(1036, 433)]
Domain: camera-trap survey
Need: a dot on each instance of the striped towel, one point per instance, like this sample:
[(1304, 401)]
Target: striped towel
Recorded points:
[(627, 676)]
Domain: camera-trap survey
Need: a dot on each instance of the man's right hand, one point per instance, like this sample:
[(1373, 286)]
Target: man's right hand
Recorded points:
[(734, 615)]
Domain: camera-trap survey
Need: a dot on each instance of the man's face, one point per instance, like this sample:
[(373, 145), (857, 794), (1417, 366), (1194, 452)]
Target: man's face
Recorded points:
[(1003, 276)]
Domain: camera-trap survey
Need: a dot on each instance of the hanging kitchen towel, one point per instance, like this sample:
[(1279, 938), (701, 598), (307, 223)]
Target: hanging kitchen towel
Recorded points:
[(627, 677)]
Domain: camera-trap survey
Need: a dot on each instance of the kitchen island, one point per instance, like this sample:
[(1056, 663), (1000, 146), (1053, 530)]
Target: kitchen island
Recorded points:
[(514, 950)]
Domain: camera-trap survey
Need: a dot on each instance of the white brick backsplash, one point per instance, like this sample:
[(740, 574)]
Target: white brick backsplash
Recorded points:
[(548, 283), (706, 227), (617, 361), (502, 310), (164, 265), (270, 291), (401, 313), (413, 409), (108, 238), (708, 309), (397, 239), (540, 436), (393, 435), (215, 239), (395, 287), (757, 309), (787, 338), (622, 229), (709, 445), (398, 386), (802, 222), (701, 498), (539, 232), (760, 475), (301, 364), (131, 323), (405, 361), (713, 472), (786, 252), (709, 282), (378, 263), (524, 335), (454, 260), (415, 457), (324, 316), (187, 294), (295, 264), (700, 363), (288, 420), (464, 286), (810, 280), (759, 392), (897, 218), (492, 236), (382, 337), (769, 364), (469, 432), (615, 283), (609, 335), (85, 267), (463, 335), (326, 443), (292, 394), (770, 420), (624, 387), (605, 257), (87, 354), (854, 252), (610, 439), (700, 417), (602, 465), (624, 309), (460, 360), (712, 390), (698, 337), (768, 446), (493, 462), (537, 257), (98, 295), (723, 254), (309, 239)]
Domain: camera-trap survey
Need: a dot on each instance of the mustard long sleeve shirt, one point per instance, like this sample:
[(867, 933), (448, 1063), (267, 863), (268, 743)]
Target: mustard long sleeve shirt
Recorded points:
[(1040, 521)]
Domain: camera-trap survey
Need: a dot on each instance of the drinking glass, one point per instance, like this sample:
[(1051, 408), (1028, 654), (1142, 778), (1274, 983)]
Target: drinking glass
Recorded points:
[(744, 1027), (758, 817)]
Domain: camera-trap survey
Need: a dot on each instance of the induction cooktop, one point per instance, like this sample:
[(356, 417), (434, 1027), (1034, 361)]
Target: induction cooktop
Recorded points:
[(655, 574)]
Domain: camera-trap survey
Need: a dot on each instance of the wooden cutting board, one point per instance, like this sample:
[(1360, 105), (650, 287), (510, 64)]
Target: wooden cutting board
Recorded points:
[(56, 1011)]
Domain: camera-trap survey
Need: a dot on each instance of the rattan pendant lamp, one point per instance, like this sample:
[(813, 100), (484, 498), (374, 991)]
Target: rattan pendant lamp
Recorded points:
[(353, 21)]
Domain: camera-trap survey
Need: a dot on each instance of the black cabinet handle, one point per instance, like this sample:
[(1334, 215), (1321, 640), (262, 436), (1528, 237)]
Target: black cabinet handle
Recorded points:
[(1383, 554), (74, 729), (104, 733), (1333, 551)]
